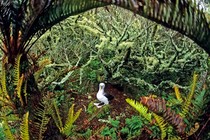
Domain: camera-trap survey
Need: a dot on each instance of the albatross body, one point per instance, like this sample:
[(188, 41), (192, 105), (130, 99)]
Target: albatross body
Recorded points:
[(102, 96)]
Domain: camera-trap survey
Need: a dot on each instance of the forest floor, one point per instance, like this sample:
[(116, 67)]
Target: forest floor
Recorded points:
[(96, 119)]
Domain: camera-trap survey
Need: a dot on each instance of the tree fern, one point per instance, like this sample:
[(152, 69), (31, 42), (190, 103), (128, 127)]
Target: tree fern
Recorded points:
[(162, 124), (21, 20), (140, 108), (188, 101), (71, 118), (24, 129)]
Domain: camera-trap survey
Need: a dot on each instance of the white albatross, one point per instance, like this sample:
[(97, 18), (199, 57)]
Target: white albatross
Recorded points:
[(102, 96)]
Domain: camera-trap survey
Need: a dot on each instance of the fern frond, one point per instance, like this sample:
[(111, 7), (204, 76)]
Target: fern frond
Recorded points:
[(174, 138), (18, 89), (140, 108), (162, 124), (17, 69), (187, 103), (25, 91), (158, 105), (180, 15), (199, 102), (52, 12), (178, 94), (24, 129), (41, 120), (56, 116), (7, 130), (193, 129), (71, 118), (3, 82)]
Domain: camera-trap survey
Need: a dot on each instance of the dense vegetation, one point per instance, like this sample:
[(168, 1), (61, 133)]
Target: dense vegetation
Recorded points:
[(165, 72)]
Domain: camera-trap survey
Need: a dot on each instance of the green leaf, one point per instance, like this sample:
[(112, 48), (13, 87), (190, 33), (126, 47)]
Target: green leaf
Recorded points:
[(24, 129)]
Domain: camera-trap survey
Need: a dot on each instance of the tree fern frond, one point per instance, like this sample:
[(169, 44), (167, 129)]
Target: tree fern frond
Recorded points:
[(162, 124), (41, 120), (56, 116), (18, 89), (71, 118), (24, 129), (17, 69), (7, 130), (199, 103), (140, 108), (25, 91), (177, 93), (158, 105), (188, 101), (193, 129), (180, 15), (174, 138), (3, 82), (56, 11)]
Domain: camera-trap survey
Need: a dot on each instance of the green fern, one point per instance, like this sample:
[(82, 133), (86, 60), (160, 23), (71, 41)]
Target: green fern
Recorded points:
[(70, 120), (18, 89), (3, 82), (56, 116), (140, 108), (187, 103), (199, 103), (178, 94), (162, 124), (42, 119), (7, 130), (17, 69), (25, 91), (24, 129)]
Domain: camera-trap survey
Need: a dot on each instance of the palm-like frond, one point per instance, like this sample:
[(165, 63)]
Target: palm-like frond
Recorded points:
[(71, 118), (162, 124), (188, 102), (24, 129), (7, 130), (41, 120), (158, 105), (20, 20), (140, 108), (183, 16), (178, 94), (17, 69), (57, 10)]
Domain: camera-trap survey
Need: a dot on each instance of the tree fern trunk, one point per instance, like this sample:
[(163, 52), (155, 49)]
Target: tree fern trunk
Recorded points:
[(26, 95)]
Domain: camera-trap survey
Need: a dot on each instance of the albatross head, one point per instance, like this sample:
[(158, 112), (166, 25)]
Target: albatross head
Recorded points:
[(101, 86)]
